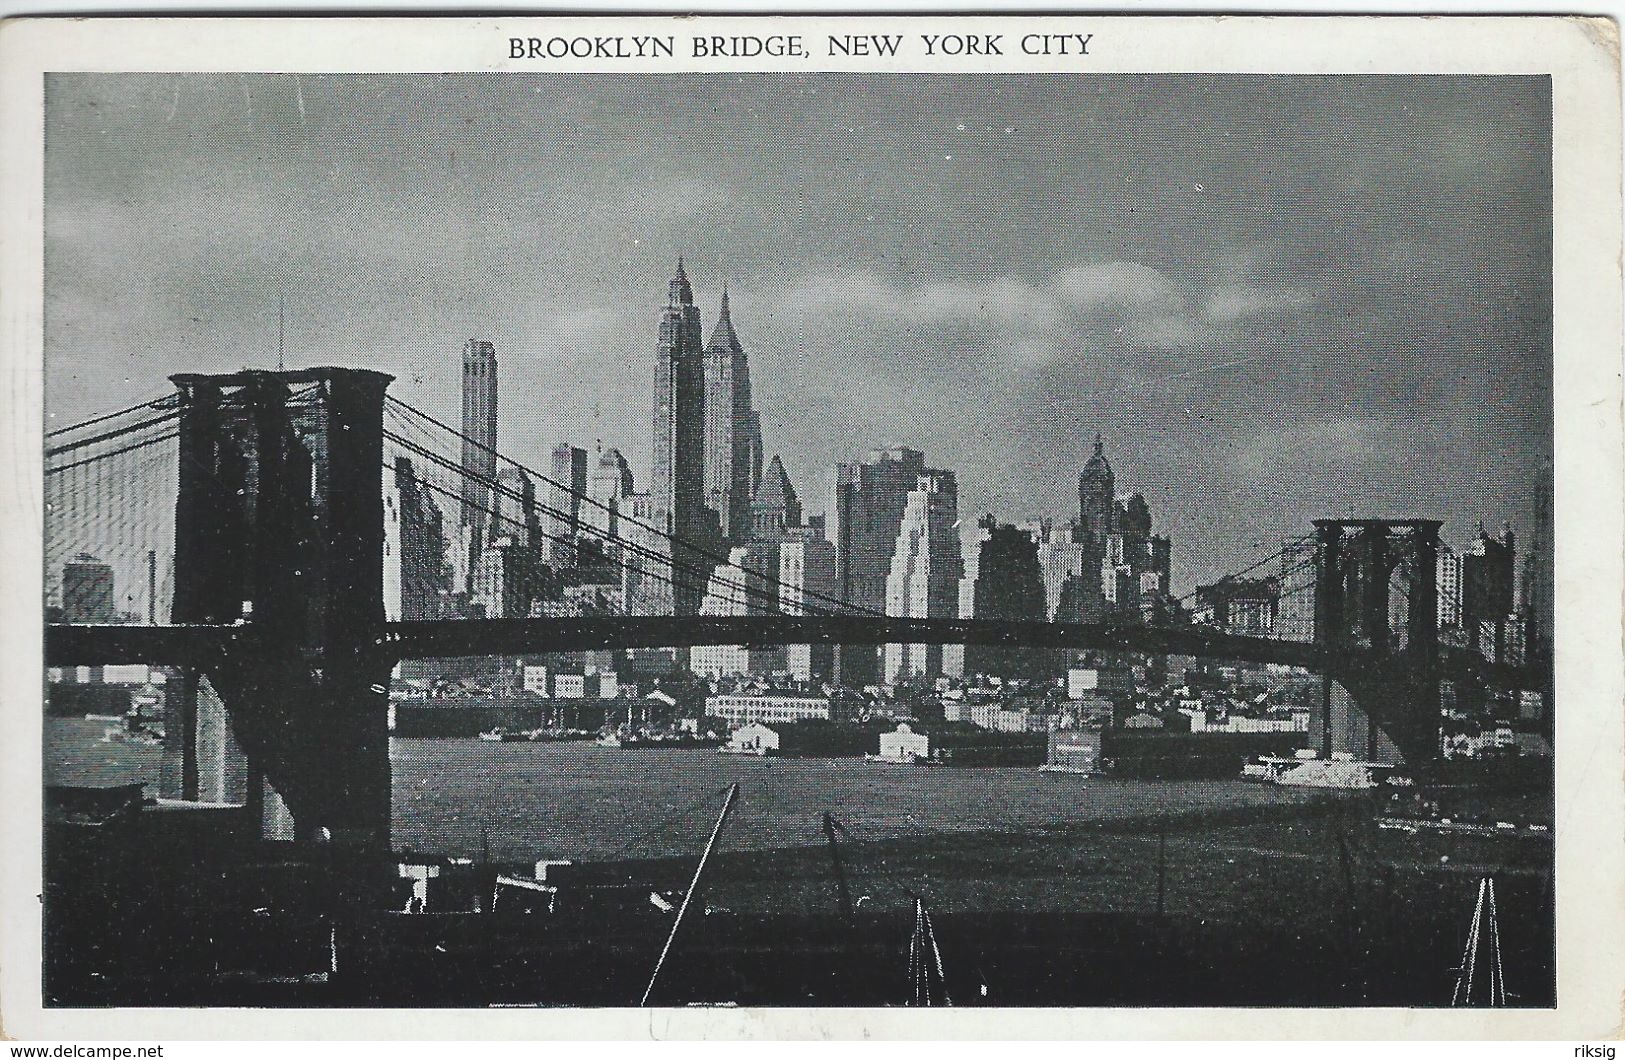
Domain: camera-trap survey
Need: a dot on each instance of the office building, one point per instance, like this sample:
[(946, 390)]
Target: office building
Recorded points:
[(479, 435), (733, 430), (88, 593), (677, 486), (1009, 586), (561, 521), (870, 498), (926, 566), (775, 507)]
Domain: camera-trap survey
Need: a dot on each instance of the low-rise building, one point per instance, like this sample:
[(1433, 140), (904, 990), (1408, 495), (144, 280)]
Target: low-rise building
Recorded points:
[(904, 744), (744, 709), (754, 739), (1074, 751)]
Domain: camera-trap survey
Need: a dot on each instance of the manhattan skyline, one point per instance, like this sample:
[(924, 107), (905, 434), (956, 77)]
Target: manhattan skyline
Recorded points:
[(1278, 298)]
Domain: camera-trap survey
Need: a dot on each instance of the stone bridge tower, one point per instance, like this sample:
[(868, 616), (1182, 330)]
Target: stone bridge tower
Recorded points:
[(279, 525), (1376, 590)]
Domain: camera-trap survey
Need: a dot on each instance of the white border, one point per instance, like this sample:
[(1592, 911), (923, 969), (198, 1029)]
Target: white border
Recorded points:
[(1580, 55)]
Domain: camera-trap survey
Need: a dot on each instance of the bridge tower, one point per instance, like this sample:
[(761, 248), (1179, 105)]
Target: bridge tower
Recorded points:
[(1376, 589), (279, 526)]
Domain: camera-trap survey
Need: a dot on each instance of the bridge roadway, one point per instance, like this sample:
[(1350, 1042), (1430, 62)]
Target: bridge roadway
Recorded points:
[(98, 645), (1397, 690)]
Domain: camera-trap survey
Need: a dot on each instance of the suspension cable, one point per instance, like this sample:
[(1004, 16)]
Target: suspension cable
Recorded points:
[(598, 533), (702, 553)]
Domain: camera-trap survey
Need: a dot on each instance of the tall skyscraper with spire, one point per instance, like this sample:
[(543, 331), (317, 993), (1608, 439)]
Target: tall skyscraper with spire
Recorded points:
[(479, 436), (677, 487), (1097, 495), (733, 430)]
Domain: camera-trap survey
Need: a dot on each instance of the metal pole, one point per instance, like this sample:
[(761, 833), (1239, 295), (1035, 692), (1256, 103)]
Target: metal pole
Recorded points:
[(840, 870), (694, 884), (1162, 867)]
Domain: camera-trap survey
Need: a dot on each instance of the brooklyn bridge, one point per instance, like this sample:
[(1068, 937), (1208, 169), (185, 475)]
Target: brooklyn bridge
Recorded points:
[(253, 506)]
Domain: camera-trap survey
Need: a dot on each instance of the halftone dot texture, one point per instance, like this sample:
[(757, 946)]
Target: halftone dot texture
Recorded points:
[(1277, 298)]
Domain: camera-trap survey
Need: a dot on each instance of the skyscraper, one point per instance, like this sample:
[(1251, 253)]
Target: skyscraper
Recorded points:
[(926, 565), (1097, 495), (480, 435), (513, 510), (733, 430), (870, 497), (677, 489), (774, 508), (1448, 580), (609, 485), (562, 521), (1009, 585), (416, 576), (1134, 564)]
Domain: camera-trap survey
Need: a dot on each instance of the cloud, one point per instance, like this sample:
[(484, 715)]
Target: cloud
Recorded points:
[(1124, 306)]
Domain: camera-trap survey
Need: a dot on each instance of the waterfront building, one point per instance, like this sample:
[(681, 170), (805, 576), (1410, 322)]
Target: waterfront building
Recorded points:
[(479, 435), (925, 570), (733, 430), (754, 739), (743, 709)]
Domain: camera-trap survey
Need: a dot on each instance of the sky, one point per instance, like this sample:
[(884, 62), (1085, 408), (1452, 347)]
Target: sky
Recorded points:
[(1275, 298)]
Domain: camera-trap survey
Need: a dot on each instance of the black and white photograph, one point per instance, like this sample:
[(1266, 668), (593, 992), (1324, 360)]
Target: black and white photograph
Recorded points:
[(798, 538)]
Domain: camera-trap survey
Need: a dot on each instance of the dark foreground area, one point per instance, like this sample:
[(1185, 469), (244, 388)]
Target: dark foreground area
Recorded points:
[(1303, 905)]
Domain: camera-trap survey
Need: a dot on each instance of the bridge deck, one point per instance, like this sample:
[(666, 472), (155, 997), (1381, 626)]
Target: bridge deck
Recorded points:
[(69, 645)]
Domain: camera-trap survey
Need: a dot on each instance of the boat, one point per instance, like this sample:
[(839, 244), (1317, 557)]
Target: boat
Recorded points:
[(641, 738), (1308, 770), (133, 728), (496, 735), (748, 751), (1267, 769), (141, 737)]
